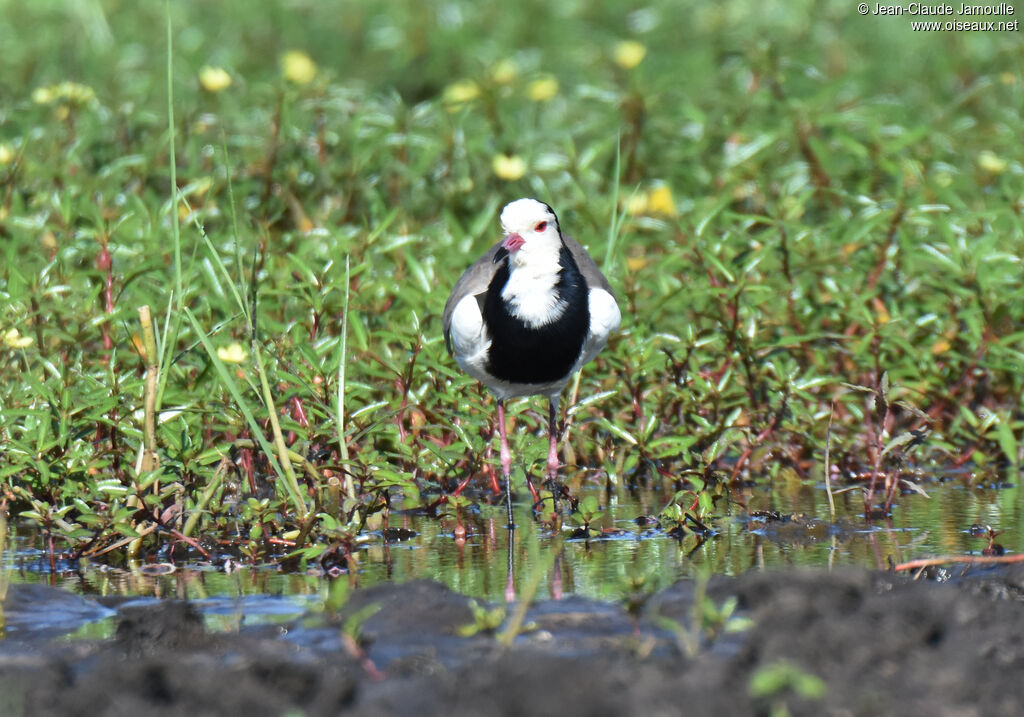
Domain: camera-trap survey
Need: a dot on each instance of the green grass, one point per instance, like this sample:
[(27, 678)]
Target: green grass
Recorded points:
[(805, 212)]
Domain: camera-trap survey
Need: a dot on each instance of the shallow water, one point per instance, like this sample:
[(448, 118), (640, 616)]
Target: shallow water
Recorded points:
[(632, 559)]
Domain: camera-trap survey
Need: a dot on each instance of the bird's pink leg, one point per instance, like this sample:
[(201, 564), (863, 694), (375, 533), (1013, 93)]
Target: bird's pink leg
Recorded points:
[(553, 454), (552, 441), (505, 454)]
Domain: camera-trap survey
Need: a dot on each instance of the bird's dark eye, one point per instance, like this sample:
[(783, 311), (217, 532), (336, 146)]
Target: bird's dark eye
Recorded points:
[(541, 226)]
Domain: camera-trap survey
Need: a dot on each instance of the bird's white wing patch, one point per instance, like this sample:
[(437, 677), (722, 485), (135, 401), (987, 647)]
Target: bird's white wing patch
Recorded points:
[(605, 318), (469, 337)]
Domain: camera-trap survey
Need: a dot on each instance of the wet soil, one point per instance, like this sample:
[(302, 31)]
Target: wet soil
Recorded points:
[(951, 643)]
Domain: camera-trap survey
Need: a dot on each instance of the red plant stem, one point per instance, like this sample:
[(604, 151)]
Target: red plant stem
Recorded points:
[(403, 383), (787, 272), (803, 130), (274, 145), (299, 412), (461, 486), (750, 446), (877, 437), (104, 263), (883, 251), (969, 559), (155, 518), (400, 417), (357, 652), (488, 469)]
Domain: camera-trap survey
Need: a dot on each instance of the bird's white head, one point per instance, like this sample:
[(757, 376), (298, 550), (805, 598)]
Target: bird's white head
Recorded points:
[(533, 245), (531, 230)]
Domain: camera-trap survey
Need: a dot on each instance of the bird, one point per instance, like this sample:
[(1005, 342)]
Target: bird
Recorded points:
[(524, 317)]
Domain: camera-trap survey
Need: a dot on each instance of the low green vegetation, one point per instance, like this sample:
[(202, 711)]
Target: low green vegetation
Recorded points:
[(812, 220)]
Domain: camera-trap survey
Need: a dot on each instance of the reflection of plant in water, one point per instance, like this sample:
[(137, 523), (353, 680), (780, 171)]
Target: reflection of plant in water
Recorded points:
[(454, 507)]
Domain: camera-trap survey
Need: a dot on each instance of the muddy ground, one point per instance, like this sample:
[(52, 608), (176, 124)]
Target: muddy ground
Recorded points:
[(948, 644)]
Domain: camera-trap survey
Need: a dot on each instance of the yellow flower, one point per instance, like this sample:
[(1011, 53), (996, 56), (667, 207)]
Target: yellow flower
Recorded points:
[(636, 263), (945, 342), (660, 201), (509, 167), (629, 53), (504, 72), (654, 201), (234, 353), (77, 92), (542, 89), (6, 154), (298, 67), (214, 79), (14, 340), (991, 162), (459, 93), (42, 95), (1007, 78), (198, 188), (72, 92)]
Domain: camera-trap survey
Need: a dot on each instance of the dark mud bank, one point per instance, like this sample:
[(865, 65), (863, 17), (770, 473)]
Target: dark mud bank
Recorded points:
[(877, 644)]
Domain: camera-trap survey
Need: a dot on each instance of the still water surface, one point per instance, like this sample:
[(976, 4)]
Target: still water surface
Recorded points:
[(603, 569)]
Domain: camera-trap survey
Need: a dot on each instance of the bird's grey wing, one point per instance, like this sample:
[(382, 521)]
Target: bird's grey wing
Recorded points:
[(588, 267), (475, 281)]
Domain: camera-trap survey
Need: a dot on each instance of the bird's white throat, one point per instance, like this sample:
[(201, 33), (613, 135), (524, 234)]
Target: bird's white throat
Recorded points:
[(530, 292)]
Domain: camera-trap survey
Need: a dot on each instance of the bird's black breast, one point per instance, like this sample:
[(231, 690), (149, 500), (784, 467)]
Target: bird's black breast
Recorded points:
[(520, 353)]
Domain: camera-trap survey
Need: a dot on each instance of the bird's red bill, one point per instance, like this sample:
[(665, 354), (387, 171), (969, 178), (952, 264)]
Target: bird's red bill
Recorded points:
[(513, 242)]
